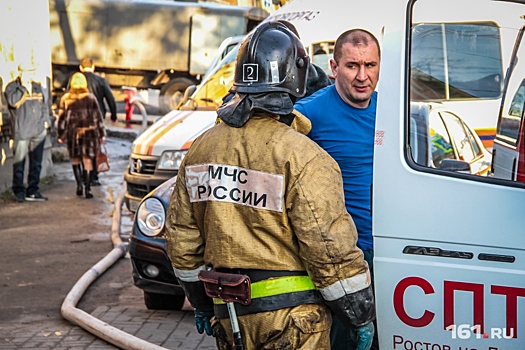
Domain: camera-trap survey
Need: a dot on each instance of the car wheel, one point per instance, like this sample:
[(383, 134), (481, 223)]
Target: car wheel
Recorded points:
[(171, 93), (155, 301)]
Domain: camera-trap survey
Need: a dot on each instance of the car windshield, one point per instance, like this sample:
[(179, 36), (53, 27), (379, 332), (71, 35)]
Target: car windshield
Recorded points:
[(209, 93)]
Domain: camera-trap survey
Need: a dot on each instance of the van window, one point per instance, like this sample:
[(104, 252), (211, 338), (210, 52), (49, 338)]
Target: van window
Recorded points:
[(440, 142), (466, 149), (510, 122), (215, 87), (418, 146), (516, 107), (456, 61)]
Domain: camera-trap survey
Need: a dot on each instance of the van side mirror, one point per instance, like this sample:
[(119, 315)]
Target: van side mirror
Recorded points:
[(455, 165), (187, 93)]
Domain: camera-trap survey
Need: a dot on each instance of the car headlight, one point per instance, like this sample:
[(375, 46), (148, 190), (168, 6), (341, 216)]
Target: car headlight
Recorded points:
[(171, 159), (151, 217)]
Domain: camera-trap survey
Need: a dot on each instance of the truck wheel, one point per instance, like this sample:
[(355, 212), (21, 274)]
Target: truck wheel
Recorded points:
[(156, 301), (171, 93)]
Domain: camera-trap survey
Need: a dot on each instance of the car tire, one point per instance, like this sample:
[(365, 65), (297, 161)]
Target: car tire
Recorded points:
[(156, 301), (171, 93)]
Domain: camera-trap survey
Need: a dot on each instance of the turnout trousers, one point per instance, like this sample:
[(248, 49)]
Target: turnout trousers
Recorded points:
[(302, 327)]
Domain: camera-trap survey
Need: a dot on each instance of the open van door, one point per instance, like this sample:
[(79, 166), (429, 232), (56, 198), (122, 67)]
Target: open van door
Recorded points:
[(509, 145), (449, 266)]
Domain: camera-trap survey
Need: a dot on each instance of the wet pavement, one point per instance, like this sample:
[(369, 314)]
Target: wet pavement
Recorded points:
[(162, 328), (166, 329)]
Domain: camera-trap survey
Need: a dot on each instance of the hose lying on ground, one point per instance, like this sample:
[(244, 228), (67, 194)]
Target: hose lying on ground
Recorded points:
[(91, 324), (117, 216)]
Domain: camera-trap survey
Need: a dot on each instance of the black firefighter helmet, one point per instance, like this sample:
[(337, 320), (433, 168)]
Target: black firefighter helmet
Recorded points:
[(272, 59)]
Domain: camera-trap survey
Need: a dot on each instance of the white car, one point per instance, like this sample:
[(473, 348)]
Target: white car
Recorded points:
[(440, 138)]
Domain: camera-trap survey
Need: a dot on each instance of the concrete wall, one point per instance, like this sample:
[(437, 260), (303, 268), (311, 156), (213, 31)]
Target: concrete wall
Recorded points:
[(24, 38)]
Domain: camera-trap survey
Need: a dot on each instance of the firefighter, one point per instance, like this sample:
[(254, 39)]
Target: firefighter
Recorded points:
[(255, 197)]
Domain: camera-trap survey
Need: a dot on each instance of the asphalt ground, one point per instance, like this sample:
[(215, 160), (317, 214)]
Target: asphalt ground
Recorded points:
[(21, 329)]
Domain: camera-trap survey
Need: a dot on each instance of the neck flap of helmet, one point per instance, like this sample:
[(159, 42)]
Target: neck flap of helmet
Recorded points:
[(241, 107)]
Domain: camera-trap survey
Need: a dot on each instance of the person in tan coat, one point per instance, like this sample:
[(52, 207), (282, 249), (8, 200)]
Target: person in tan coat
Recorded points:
[(256, 197), (81, 128)]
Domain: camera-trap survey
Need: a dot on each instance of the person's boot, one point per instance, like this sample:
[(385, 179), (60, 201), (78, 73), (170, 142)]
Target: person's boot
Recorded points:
[(87, 188), (77, 171), (94, 175)]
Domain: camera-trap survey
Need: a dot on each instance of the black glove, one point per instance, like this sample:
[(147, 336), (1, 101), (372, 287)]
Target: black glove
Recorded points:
[(202, 321)]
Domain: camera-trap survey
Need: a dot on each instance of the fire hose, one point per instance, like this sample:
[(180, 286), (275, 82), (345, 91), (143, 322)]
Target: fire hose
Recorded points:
[(83, 319)]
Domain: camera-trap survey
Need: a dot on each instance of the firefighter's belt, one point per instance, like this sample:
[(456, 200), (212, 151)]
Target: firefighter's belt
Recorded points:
[(276, 286)]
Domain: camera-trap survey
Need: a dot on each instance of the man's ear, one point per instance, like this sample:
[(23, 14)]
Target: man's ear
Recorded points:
[(333, 67)]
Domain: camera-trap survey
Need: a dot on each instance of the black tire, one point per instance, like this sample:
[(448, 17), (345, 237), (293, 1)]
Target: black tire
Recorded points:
[(155, 301), (171, 93)]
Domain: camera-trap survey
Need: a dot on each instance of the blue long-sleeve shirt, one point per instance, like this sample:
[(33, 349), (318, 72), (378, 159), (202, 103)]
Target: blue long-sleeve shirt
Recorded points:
[(347, 134)]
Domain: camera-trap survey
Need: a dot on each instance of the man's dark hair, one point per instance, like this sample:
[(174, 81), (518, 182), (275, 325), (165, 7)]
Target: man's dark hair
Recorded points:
[(86, 62), (355, 37)]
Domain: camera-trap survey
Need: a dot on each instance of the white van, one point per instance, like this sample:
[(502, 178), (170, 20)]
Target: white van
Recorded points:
[(449, 246)]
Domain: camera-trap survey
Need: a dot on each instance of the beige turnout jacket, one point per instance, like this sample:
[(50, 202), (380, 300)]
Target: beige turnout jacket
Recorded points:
[(264, 196)]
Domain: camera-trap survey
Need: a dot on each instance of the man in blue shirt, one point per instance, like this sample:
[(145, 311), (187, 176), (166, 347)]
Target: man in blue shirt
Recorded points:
[(343, 123)]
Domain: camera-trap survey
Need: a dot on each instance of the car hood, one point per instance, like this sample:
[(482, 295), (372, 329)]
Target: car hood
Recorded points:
[(175, 131)]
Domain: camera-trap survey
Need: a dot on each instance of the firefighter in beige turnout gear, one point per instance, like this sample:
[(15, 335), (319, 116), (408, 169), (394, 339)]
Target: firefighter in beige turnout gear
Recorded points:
[(256, 197)]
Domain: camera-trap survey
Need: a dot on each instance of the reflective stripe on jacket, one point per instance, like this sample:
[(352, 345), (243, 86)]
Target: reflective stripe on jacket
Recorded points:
[(29, 111)]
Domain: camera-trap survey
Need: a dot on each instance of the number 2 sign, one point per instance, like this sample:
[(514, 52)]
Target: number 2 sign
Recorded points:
[(250, 72)]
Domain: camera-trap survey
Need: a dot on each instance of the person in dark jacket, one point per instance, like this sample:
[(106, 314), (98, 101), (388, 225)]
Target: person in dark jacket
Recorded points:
[(30, 118), (81, 128), (99, 87)]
